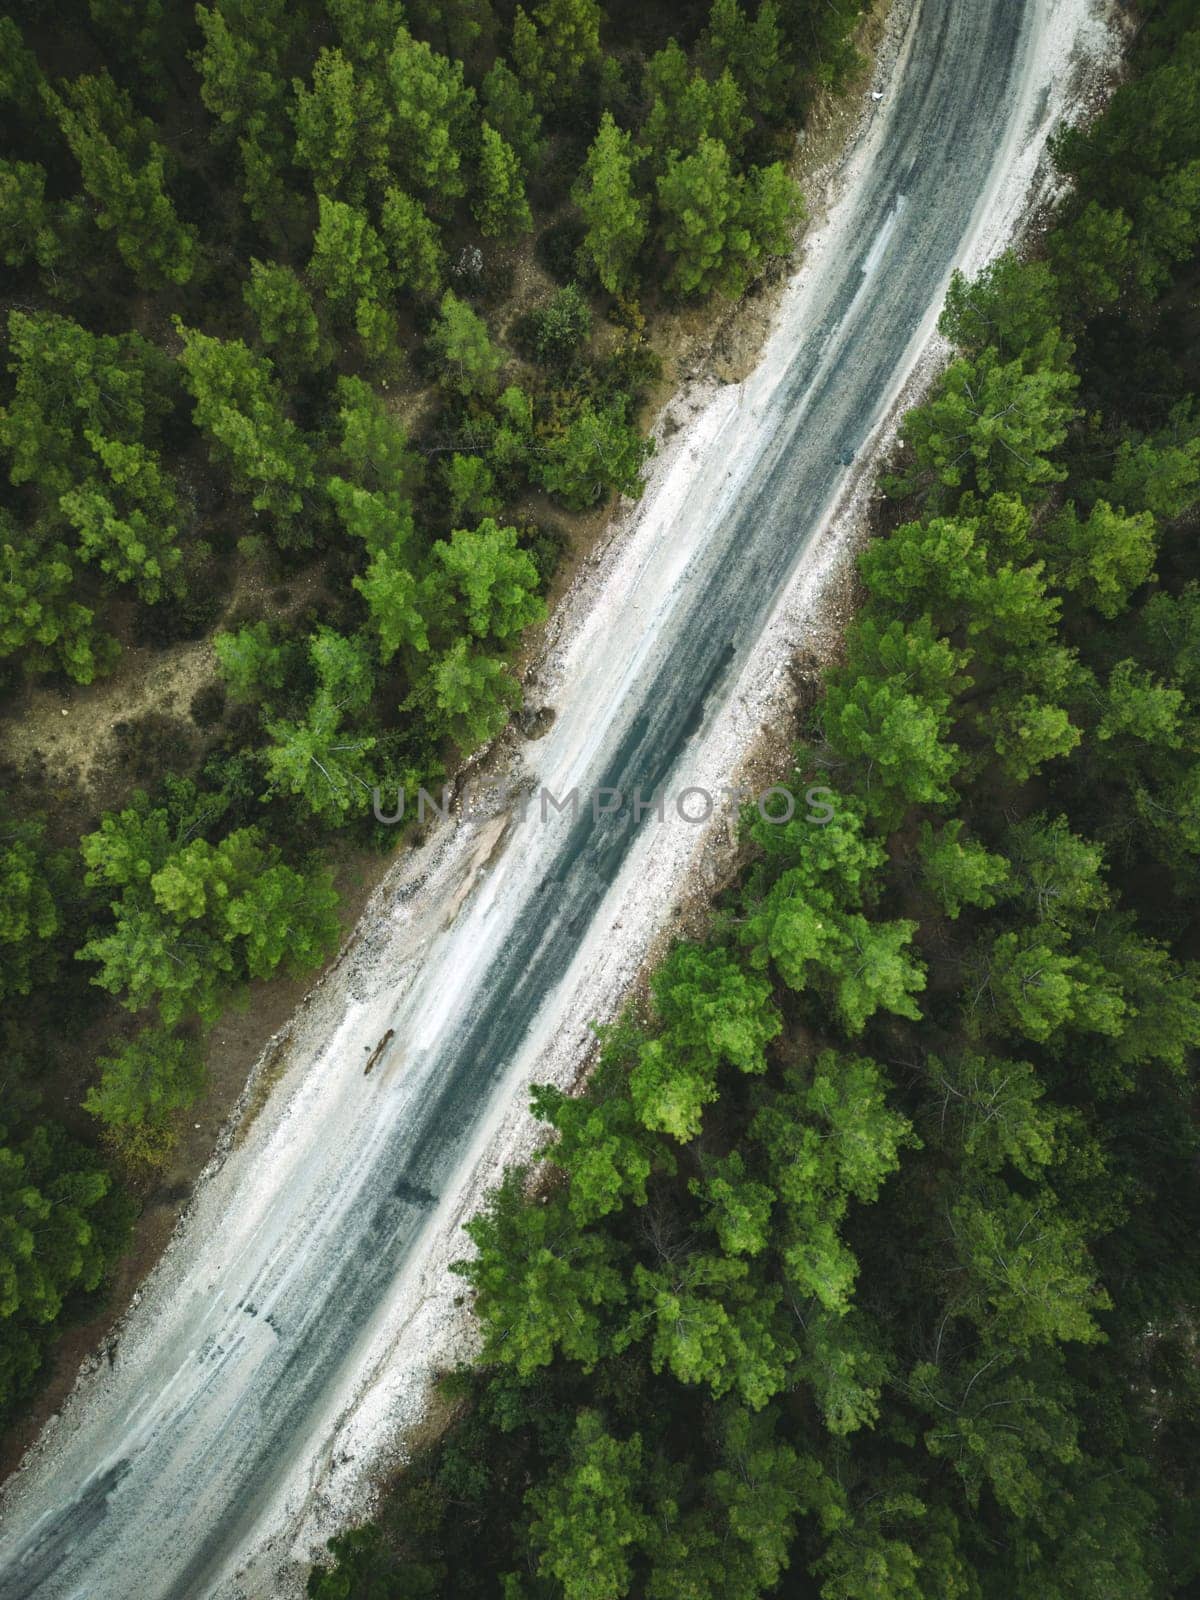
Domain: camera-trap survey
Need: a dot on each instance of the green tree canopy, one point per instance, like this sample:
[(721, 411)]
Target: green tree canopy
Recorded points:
[(431, 111), (596, 452), (718, 225), (124, 172), (552, 49), (587, 1517), (191, 919), (459, 338), (286, 321), (61, 1228), (501, 206), (148, 1078), (616, 218), (342, 127), (30, 879), (414, 247), (492, 583), (239, 407), (992, 425)]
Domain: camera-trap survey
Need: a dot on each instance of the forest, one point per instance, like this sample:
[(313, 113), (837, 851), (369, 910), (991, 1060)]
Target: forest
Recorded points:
[(275, 393), (867, 1267)]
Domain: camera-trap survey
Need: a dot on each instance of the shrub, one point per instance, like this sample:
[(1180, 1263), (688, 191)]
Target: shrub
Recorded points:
[(208, 705)]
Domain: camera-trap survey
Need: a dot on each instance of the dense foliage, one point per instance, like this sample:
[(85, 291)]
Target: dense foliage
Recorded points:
[(313, 314), (871, 1257)]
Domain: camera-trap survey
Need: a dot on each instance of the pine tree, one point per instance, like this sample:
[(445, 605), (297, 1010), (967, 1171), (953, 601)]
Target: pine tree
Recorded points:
[(239, 407), (1104, 558), (587, 1515), (1013, 306), (285, 318), (501, 207), (414, 247), (124, 171), (598, 452), (381, 521), (125, 543), (698, 197), (602, 1146), (324, 765), (252, 662), (30, 879), (712, 1012), (474, 693), (432, 112), (322, 758), (148, 1078), (686, 107), (21, 80), (992, 425), (62, 1225), (771, 205), (195, 918), (287, 922), (493, 582), (1026, 730), (752, 51), (552, 56), (471, 362), (616, 218), (396, 602), (511, 111), (342, 128), (264, 161), (40, 624), (960, 871), (366, 32), (371, 446), (27, 219), (1095, 263), (463, 31), (559, 331), (134, 31), (717, 227), (243, 83), (540, 1281), (349, 263), (470, 488), (67, 381), (241, 61), (378, 329)]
